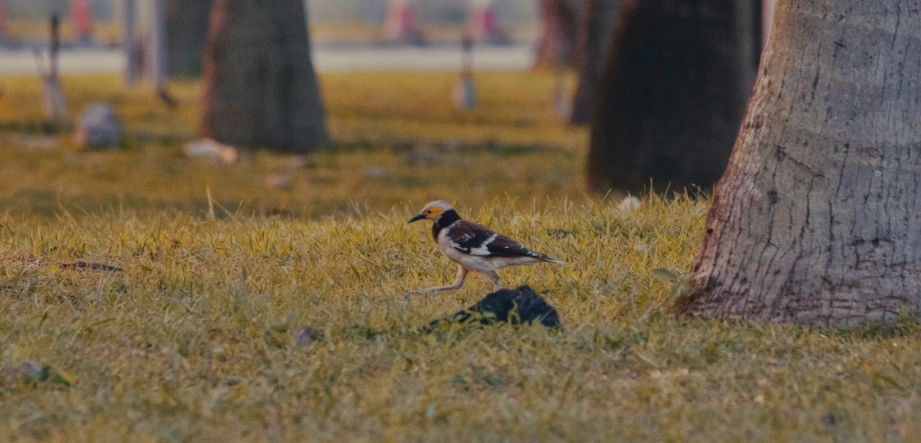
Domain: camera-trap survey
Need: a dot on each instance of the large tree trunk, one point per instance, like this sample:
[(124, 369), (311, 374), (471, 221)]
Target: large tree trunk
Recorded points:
[(186, 33), (260, 86), (559, 28), (673, 94), (817, 218), (595, 35)]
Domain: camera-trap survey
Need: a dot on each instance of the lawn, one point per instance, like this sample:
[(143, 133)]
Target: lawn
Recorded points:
[(193, 340), (399, 140)]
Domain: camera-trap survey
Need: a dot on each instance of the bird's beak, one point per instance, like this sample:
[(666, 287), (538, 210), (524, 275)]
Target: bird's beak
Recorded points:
[(416, 218)]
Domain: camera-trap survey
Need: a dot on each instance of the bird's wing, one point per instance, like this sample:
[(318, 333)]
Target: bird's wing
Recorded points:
[(471, 238)]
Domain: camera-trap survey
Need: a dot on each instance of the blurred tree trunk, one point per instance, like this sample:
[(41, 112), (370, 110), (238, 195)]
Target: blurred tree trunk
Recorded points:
[(673, 93), (597, 19), (260, 86), (816, 220), (187, 31), (559, 27)]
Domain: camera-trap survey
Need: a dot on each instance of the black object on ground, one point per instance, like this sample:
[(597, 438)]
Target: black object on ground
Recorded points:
[(303, 337), (513, 306)]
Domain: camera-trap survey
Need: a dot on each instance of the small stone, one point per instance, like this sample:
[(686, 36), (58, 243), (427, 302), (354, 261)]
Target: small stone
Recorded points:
[(32, 371), (35, 142), (450, 145), (375, 172), (212, 150), (303, 337), (295, 162), (98, 128), (278, 181), (630, 205)]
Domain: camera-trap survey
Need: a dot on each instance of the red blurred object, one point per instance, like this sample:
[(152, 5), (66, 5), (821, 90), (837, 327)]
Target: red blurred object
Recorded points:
[(82, 15), (401, 23), (484, 23)]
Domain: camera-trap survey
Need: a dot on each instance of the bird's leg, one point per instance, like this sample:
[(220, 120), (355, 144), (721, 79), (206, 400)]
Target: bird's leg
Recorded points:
[(458, 282), (495, 279)]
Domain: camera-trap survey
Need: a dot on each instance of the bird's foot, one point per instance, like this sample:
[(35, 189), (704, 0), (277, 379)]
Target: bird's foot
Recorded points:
[(433, 290)]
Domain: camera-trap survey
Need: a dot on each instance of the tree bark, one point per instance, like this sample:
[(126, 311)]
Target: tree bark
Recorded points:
[(187, 31), (673, 94), (817, 218), (260, 86), (559, 27), (596, 33)]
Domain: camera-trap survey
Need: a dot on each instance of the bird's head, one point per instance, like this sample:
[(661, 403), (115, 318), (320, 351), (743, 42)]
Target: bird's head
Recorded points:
[(432, 211)]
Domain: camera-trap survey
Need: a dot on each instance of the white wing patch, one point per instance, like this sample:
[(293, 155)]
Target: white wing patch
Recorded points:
[(483, 250)]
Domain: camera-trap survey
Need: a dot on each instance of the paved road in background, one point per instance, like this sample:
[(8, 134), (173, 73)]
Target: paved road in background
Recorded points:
[(326, 59)]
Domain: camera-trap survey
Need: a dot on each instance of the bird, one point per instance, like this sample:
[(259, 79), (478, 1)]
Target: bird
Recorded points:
[(474, 247)]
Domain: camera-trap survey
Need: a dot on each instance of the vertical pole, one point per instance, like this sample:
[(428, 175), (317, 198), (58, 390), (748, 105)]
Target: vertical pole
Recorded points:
[(156, 57), (55, 46), (129, 17), (465, 91), (467, 62)]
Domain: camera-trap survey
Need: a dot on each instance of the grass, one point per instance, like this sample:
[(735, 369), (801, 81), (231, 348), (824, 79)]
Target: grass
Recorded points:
[(399, 139), (193, 340)]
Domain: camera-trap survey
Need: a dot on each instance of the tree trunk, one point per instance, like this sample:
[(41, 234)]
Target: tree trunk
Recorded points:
[(596, 32), (817, 218), (673, 94), (187, 30), (260, 86), (559, 24)]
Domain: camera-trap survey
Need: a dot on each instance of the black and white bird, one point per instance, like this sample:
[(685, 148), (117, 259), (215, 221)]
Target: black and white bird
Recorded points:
[(474, 247)]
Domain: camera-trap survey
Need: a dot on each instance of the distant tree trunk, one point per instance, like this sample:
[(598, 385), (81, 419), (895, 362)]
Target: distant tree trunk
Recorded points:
[(597, 19), (2, 19), (260, 86), (673, 93), (187, 31), (559, 27), (817, 218)]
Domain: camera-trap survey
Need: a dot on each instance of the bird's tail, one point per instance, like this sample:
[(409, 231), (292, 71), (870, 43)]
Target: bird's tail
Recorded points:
[(550, 259)]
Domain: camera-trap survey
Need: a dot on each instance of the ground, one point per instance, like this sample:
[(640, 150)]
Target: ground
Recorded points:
[(193, 340)]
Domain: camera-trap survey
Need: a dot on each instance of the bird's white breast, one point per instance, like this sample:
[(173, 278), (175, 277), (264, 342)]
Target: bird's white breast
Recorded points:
[(471, 262)]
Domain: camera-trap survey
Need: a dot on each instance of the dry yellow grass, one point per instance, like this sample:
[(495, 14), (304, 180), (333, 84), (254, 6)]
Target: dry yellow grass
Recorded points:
[(193, 340), (399, 139)]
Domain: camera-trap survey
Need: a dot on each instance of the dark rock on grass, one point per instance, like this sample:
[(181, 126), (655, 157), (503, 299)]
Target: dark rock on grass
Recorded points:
[(303, 337), (98, 127), (518, 306), (33, 373), (512, 306)]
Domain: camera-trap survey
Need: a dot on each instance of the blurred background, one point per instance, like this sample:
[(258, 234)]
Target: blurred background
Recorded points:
[(171, 104), (90, 26)]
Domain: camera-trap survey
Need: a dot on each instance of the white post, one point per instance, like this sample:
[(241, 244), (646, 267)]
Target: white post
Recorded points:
[(129, 44), (156, 54)]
